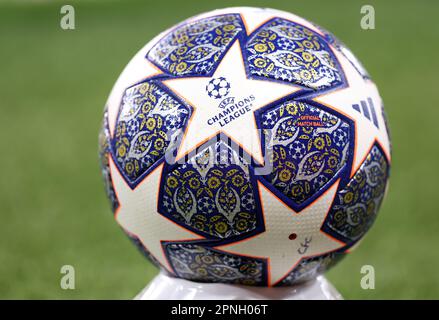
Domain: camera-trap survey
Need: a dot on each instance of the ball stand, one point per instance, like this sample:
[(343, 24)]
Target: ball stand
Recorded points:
[(163, 287)]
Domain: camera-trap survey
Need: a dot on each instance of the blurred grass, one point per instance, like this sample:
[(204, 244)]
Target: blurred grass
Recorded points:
[(53, 85)]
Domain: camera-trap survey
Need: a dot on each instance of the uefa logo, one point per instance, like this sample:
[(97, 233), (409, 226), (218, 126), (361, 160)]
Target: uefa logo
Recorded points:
[(218, 88)]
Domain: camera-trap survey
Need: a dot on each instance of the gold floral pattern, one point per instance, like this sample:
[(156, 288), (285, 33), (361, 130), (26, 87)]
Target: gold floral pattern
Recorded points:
[(149, 123), (307, 147), (284, 50), (356, 206), (310, 268), (212, 193), (195, 48), (203, 264)]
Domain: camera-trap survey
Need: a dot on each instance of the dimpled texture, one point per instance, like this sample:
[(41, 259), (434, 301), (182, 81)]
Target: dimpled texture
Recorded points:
[(213, 193)]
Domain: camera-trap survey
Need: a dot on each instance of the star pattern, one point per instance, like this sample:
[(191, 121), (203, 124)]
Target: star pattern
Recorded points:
[(139, 217), (243, 129), (301, 231), (298, 235)]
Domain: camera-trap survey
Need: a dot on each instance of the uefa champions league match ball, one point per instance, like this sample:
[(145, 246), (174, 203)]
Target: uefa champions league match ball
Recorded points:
[(245, 146)]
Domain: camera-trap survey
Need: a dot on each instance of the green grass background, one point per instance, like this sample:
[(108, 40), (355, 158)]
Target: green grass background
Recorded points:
[(53, 86)]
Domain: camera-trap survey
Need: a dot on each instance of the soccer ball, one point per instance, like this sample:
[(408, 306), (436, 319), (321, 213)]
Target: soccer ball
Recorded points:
[(245, 146)]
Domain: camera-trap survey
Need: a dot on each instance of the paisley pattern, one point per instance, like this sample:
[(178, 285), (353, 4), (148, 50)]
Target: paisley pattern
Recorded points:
[(341, 47), (284, 50), (104, 154), (211, 193), (203, 264), (195, 48), (355, 207), (150, 122), (310, 268), (307, 147)]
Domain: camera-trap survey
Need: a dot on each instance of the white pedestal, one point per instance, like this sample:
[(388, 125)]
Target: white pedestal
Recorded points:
[(163, 287)]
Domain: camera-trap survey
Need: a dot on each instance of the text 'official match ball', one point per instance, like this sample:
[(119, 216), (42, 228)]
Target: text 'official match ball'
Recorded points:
[(245, 146)]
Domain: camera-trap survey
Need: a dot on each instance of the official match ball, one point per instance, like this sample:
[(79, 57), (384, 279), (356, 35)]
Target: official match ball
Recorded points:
[(245, 146)]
